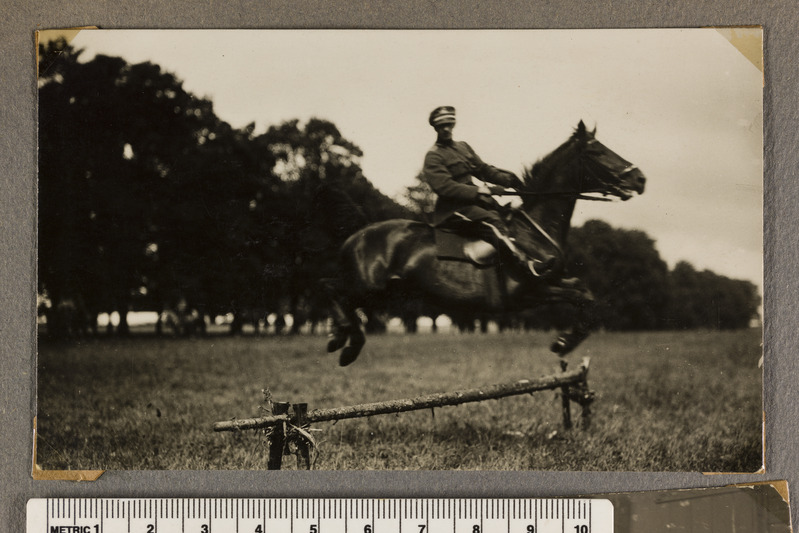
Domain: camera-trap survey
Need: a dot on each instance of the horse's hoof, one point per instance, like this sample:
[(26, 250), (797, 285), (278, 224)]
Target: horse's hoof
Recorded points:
[(348, 355), (335, 343), (542, 269), (569, 283), (559, 347)]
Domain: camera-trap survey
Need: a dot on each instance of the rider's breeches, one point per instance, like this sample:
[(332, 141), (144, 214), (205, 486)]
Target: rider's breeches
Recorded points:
[(478, 214), (489, 226), (489, 223)]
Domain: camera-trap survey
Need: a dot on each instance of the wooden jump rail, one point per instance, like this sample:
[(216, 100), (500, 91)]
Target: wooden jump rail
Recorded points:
[(286, 417)]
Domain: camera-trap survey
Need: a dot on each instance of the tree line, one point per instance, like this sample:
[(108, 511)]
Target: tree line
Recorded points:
[(149, 201)]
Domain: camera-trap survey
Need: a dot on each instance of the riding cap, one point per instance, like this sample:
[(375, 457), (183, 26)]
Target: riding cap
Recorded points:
[(444, 114)]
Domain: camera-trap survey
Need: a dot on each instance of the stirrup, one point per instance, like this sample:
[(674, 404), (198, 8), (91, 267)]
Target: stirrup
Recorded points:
[(531, 268)]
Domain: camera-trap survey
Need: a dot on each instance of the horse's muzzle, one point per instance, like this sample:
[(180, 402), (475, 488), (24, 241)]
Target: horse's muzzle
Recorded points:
[(633, 179)]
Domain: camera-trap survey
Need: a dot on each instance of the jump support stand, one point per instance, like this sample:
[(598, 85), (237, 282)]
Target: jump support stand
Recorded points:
[(289, 423)]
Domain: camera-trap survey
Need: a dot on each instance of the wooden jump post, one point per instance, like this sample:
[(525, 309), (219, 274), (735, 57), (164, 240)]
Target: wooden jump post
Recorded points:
[(285, 417)]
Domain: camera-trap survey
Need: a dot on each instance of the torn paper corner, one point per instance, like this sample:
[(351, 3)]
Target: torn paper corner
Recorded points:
[(60, 475), (65, 475), (748, 40), (68, 34), (781, 486)]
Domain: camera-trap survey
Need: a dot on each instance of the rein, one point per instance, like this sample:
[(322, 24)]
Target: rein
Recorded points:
[(578, 196), (586, 195), (542, 231), (587, 168)]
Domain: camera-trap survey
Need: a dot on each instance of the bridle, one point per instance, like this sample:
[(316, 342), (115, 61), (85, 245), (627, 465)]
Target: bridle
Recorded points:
[(586, 168), (605, 188)]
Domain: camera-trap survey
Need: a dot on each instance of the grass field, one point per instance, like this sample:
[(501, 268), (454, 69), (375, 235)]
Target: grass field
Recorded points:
[(666, 401)]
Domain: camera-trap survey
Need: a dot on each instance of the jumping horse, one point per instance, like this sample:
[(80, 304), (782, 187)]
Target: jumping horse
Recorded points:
[(399, 258)]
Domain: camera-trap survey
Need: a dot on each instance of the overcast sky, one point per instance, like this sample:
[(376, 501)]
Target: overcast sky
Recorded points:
[(684, 105)]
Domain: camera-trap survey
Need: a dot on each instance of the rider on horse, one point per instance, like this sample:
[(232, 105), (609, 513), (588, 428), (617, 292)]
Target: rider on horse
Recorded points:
[(449, 167)]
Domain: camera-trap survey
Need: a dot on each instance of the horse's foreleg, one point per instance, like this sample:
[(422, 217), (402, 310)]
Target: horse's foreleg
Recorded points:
[(580, 330), (583, 300)]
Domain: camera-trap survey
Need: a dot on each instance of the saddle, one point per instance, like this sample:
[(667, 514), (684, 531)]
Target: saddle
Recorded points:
[(453, 243)]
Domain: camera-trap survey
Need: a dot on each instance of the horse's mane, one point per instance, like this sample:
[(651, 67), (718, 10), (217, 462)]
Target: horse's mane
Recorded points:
[(536, 175)]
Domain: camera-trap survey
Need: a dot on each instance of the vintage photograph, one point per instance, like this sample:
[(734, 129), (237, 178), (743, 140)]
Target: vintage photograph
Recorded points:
[(400, 250)]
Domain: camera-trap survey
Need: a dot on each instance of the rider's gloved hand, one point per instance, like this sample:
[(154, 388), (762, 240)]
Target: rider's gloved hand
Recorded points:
[(515, 182), (485, 200)]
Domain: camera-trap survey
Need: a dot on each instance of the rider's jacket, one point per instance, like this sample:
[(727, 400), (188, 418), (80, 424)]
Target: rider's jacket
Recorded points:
[(448, 169)]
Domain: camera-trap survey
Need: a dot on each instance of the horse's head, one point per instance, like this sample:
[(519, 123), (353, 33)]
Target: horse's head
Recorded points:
[(594, 169)]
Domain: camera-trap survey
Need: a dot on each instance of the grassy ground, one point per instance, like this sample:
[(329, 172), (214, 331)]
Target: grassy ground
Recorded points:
[(666, 402)]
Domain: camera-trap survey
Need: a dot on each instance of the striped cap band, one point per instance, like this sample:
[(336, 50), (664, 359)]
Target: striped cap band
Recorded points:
[(444, 119), (442, 115)]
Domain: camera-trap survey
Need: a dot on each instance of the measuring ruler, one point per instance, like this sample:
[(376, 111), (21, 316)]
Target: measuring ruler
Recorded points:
[(297, 515)]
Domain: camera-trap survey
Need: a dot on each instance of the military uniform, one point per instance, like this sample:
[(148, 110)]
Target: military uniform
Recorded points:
[(448, 169)]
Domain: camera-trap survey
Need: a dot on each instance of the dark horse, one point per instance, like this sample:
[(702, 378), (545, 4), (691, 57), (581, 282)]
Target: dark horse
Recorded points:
[(400, 256)]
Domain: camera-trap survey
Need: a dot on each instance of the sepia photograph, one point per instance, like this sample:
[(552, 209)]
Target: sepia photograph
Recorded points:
[(400, 250)]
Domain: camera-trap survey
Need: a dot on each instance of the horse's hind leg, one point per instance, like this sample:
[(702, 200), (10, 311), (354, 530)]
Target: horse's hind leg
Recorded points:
[(357, 339), (347, 331), (342, 323)]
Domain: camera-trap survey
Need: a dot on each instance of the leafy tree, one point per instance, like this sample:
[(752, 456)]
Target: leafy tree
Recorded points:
[(420, 198), (707, 300), (71, 252), (625, 272), (321, 197), (635, 289), (148, 200), (113, 142)]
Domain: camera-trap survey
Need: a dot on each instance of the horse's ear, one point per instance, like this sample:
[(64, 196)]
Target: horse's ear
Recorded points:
[(593, 133), (581, 129)]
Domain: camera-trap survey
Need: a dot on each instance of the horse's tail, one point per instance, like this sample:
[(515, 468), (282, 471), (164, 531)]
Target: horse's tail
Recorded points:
[(337, 212)]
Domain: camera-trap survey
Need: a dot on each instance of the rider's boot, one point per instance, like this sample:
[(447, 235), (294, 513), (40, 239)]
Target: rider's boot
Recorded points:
[(535, 267)]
